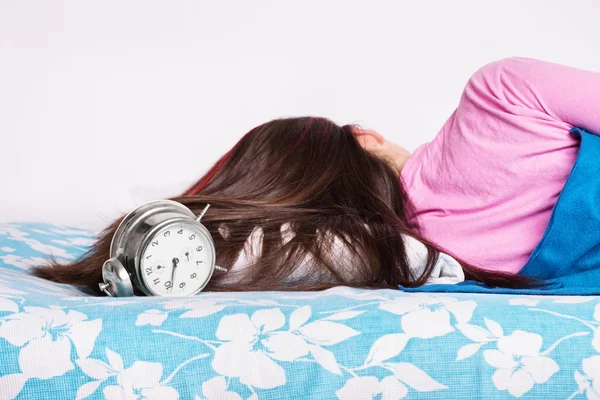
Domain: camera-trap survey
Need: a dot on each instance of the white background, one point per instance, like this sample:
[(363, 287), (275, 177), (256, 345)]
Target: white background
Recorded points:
[(104, 104)]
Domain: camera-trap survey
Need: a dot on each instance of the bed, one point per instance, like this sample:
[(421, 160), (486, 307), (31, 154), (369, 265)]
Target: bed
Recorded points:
[(58, 342)]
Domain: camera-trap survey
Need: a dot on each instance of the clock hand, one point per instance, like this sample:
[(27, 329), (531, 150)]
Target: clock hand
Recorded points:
[(175, 262)]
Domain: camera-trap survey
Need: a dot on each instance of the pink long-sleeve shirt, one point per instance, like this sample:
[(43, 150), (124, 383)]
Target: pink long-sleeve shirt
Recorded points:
[(485, 187)]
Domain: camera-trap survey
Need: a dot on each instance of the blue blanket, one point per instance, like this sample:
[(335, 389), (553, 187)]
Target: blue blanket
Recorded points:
[(567, 257)]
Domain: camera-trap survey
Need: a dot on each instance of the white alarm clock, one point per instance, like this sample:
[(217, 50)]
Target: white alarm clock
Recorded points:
[(159, 249)]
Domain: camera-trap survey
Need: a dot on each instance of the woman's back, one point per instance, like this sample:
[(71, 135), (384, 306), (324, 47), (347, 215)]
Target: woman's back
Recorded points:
[(485, 187)]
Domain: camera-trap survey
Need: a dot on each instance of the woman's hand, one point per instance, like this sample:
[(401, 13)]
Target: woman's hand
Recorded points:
[(375, 143)]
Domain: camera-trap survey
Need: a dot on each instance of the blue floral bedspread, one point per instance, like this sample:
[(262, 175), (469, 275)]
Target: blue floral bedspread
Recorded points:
[(56, 342)]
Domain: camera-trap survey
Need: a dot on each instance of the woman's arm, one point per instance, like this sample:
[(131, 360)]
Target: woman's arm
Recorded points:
[(535, 92), (550, 91)]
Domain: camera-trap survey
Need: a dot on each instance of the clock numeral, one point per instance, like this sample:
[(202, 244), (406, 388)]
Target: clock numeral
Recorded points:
[(157, 281), (199, 248), (148, 270), (167, 233), (192, 237), (168, 284), (199, 262), (180, 231), (182, 285), (193, 276), (155, 243), (147, 257)]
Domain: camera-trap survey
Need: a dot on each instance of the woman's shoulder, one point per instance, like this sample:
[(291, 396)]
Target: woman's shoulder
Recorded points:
[(504, 70)]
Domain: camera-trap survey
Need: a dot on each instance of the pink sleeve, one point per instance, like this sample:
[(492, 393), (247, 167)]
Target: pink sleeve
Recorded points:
[(551, 90)]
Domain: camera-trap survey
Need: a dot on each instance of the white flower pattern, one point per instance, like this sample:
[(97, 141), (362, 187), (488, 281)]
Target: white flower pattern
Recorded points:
[(151, 317), (45, 336), (589, 381), (427, 316), (255, 343), (366, 387), (140, 381), (519, 363), (8, 299), (216, 389)]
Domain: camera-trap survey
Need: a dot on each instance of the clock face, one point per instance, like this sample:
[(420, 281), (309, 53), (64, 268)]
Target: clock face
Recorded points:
[(177, 260)]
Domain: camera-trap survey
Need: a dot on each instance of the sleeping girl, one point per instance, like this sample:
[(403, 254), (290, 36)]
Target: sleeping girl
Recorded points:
[(306, 204)]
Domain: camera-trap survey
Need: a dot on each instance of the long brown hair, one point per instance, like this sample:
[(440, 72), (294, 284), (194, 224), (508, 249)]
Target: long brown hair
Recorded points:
[(312, 177)]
